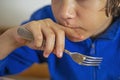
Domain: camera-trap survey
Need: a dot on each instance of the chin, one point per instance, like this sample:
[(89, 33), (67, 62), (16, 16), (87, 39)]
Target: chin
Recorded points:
[(75, 39)]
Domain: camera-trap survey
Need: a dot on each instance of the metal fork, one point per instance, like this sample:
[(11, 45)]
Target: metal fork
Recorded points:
[(77, 57), (84, 59)]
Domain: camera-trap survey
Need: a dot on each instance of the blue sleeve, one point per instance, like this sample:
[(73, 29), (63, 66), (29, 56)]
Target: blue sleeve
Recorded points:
[(42, 13), (23, 57), (18, 60)]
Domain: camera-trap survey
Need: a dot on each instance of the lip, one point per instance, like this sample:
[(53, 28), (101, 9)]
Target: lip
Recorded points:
[(73, 27), (80, 27)]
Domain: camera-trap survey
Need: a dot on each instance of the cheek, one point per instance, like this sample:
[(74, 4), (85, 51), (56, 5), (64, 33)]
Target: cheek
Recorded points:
[(91, 21), (55, 11)]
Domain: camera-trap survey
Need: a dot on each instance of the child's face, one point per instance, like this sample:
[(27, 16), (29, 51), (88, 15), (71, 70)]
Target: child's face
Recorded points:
[(84, 17)]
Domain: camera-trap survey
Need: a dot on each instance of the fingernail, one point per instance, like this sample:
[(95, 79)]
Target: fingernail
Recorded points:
[(59, 54), (45, 55)]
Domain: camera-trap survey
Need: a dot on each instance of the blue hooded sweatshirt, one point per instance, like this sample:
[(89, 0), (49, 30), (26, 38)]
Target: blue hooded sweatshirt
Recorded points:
[(107, 45)]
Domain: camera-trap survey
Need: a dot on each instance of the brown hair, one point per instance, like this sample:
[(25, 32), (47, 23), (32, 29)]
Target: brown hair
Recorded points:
[(113, 8)]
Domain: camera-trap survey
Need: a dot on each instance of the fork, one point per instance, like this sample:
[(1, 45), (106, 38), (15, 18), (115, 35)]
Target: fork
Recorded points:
[(84, 59), (76, 57)]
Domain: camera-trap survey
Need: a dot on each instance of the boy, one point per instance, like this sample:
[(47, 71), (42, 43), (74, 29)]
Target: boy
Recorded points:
[(91, 27)]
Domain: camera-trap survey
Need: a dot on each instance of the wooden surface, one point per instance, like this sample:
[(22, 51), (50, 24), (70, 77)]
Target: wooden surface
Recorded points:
[(21, 78), (36, 70)]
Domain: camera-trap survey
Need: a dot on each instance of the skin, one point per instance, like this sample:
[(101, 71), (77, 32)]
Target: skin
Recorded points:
[(76, 19)]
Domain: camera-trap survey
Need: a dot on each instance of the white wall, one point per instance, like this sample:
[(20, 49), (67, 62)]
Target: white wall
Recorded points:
[(13, 12)]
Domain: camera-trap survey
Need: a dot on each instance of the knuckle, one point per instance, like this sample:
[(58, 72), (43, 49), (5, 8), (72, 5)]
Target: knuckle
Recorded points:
[(48, 51), (39, 38), (51, 34), (60, 46), (61, 32), (48, 19), (33, 23)]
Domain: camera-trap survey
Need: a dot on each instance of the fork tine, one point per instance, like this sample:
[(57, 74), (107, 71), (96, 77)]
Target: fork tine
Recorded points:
[(90, 57), (93, 59), (86, 64), (98, 58), (90, 62)]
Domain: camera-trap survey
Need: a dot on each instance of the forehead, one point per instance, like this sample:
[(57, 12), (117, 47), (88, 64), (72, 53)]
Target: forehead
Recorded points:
[(80, 2)]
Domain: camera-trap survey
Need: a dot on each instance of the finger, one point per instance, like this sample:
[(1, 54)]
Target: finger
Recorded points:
[(50, 41), (35, 28), (72, 35), (60, 41), (59, 35)]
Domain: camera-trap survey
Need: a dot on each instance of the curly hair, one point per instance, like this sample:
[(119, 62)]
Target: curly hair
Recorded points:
[(113, 8)]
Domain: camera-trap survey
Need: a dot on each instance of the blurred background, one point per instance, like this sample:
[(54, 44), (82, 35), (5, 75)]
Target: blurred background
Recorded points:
[(13, 12)]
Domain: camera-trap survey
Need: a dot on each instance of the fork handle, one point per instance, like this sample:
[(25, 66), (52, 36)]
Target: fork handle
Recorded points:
[(25, 33)]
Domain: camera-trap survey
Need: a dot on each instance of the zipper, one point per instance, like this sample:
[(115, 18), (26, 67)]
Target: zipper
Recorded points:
[(93, 52), (94, 73)]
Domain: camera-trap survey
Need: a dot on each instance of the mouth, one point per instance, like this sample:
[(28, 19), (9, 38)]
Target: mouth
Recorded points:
[(81, 28), (74, 27)]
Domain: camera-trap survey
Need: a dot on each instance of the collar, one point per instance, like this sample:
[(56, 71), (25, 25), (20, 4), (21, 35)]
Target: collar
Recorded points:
[(113, 30)]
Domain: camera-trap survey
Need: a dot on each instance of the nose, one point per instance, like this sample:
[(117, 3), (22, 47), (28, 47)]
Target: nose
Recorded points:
[(67, 11)]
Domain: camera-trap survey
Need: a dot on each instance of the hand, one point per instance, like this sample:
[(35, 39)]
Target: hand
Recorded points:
[(48, 36)]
